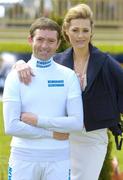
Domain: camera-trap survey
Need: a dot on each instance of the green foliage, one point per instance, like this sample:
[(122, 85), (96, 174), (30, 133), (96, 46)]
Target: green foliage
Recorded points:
[(17, 47), (63, 44), (107, 168), (110, 47)]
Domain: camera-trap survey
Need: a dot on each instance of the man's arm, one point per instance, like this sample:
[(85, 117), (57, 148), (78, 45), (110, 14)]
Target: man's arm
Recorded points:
[(72, 122), (12, 111), (15, 127)]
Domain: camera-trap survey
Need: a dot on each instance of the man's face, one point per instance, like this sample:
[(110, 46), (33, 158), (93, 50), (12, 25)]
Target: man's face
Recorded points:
[(44, 43)]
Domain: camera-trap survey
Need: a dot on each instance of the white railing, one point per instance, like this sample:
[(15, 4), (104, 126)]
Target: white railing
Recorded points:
[(106, 12)]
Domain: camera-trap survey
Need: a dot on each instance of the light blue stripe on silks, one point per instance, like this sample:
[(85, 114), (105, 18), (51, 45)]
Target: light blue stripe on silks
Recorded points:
[(55, 85), (43, 64)]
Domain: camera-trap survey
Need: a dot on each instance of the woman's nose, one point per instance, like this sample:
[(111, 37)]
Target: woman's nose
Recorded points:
[(80, 34)]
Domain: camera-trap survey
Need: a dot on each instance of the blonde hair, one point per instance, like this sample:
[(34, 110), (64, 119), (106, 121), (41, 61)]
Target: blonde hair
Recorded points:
[(79, 11)]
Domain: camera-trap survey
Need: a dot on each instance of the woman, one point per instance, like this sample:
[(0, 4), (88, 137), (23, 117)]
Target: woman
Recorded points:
[(102, 90)]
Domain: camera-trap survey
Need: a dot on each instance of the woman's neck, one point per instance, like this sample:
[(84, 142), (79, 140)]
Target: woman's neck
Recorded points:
[(80, 55)]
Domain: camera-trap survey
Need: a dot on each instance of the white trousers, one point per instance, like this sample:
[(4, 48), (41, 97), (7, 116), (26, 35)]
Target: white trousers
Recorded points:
[(22, 170), (88, 150)]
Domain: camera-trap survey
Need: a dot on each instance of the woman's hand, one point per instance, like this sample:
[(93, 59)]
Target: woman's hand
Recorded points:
[(29, 118), (24, 71)]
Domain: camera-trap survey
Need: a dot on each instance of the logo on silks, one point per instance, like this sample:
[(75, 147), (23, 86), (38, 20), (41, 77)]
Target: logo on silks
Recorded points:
[(55, 83)]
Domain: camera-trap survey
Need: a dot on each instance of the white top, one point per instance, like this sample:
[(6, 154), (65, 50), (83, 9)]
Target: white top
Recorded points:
[(54, 95)]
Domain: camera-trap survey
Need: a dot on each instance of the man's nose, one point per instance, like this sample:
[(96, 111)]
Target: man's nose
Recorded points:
[(45, 44)]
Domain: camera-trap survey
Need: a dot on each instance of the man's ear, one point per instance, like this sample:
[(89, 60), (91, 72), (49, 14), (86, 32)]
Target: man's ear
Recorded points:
[(30, 39)]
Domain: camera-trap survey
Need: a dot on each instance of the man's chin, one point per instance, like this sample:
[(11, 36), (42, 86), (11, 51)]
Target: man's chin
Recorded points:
[(44, 58)]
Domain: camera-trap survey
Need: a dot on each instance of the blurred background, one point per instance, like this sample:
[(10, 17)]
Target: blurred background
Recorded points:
[(17, 15), (15, 19)]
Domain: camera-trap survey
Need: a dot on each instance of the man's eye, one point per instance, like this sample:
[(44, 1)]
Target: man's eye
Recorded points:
[(51, 41), (40, 39)]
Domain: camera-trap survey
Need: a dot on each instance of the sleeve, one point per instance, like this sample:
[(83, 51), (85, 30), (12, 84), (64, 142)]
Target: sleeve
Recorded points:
[(117, 75), (12, 111), (74, 89), (74, 119)]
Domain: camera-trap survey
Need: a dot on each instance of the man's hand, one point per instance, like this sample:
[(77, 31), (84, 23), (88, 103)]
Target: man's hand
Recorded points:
[(29, 118), (60, 136), (24, 71)]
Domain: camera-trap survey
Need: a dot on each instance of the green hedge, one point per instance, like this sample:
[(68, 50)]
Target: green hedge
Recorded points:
[(110, 47), (24, 47), (17, 47)]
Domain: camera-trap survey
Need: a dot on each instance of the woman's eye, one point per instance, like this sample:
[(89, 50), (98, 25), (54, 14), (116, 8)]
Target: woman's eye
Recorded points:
[(85, 30), (74, 30)]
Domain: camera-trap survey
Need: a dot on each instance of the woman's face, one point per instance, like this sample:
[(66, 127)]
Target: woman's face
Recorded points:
[(79, 33)]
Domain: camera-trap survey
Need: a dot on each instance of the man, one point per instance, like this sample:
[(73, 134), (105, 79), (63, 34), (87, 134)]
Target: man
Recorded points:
[(40, 116)]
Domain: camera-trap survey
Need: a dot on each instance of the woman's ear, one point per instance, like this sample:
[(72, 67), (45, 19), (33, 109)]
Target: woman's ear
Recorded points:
[(59, 42)]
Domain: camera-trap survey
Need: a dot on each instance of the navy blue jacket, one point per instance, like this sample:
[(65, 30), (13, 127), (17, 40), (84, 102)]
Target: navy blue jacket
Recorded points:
[(103, 96)]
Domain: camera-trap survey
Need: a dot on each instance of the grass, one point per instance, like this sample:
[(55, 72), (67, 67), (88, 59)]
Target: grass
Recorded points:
[(119, 155), (5, 150)]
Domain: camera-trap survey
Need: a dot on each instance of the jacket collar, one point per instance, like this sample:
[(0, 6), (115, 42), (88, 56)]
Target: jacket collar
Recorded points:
[(96, 61)]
